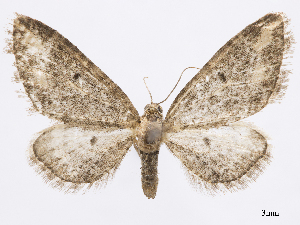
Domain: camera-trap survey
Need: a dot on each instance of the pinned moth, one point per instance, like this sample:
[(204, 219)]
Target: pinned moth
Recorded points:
[(99, 123)]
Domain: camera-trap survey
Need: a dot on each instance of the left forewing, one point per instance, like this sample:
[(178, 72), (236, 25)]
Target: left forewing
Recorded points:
[(222, 157), (63, 83), (72, 157)]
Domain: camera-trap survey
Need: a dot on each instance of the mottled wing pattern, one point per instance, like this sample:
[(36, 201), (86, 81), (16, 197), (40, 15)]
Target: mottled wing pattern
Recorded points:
[(237, 82), (80, 155), (64, 84), (219, 155)]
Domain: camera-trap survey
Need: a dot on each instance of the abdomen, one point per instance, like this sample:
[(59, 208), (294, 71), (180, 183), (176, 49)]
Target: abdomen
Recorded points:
[(149, 135), (149, 173)]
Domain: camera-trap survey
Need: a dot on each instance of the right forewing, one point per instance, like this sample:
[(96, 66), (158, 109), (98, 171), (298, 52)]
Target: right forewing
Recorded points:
[(64, 84), (237, 82), (73, 156)]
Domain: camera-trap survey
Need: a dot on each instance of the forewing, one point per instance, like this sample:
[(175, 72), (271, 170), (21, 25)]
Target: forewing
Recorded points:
[(73, 156), (64, 84), (237, 82), (219, 156)]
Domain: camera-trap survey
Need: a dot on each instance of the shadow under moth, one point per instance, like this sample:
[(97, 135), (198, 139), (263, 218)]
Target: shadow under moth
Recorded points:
[(99, 124)]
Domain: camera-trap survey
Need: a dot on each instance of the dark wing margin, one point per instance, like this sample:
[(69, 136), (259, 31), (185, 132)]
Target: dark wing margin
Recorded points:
[(62, 82), (237, 82)]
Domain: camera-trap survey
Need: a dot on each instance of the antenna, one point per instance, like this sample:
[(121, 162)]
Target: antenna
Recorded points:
[(176, 83), (148, 89)]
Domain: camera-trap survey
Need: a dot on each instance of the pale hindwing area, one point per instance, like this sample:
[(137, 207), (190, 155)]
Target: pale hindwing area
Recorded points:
[(237, 82), (70, 157), (62, 83), (220, 159)]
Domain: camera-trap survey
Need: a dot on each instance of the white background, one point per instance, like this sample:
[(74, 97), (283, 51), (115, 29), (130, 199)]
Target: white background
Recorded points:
[(129, 40)]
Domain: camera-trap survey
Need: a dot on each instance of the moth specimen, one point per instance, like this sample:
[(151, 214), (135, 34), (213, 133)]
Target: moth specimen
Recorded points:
[(99, 123)]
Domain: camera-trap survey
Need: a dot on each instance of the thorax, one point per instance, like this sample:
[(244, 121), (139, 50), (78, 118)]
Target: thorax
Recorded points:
[(149, 132)]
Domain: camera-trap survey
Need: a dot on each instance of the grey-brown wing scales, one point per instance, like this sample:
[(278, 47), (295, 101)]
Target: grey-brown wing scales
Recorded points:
[(64, 84), (220, 155), (237, 82), (73, 156)]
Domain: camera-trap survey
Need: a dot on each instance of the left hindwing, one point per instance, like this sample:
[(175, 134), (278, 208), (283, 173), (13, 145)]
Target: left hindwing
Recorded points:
[(73, 156), (237, 82)]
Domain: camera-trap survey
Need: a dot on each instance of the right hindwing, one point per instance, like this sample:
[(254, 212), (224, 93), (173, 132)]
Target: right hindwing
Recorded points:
[(220, 157)]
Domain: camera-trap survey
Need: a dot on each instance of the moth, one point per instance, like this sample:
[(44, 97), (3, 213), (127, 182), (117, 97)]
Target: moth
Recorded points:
[(99, 124)]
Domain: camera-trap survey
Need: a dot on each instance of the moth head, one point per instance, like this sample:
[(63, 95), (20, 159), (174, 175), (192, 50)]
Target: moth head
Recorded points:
[(153, 109)]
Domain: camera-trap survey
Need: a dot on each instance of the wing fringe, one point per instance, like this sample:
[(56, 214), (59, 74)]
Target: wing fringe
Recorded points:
[(213, 189), (8, 49), (281, 84)]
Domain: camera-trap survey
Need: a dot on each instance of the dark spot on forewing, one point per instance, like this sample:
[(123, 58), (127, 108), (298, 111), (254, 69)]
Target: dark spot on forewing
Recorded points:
[(93, 140), (222, 77), (206, 141), (76, 76)]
